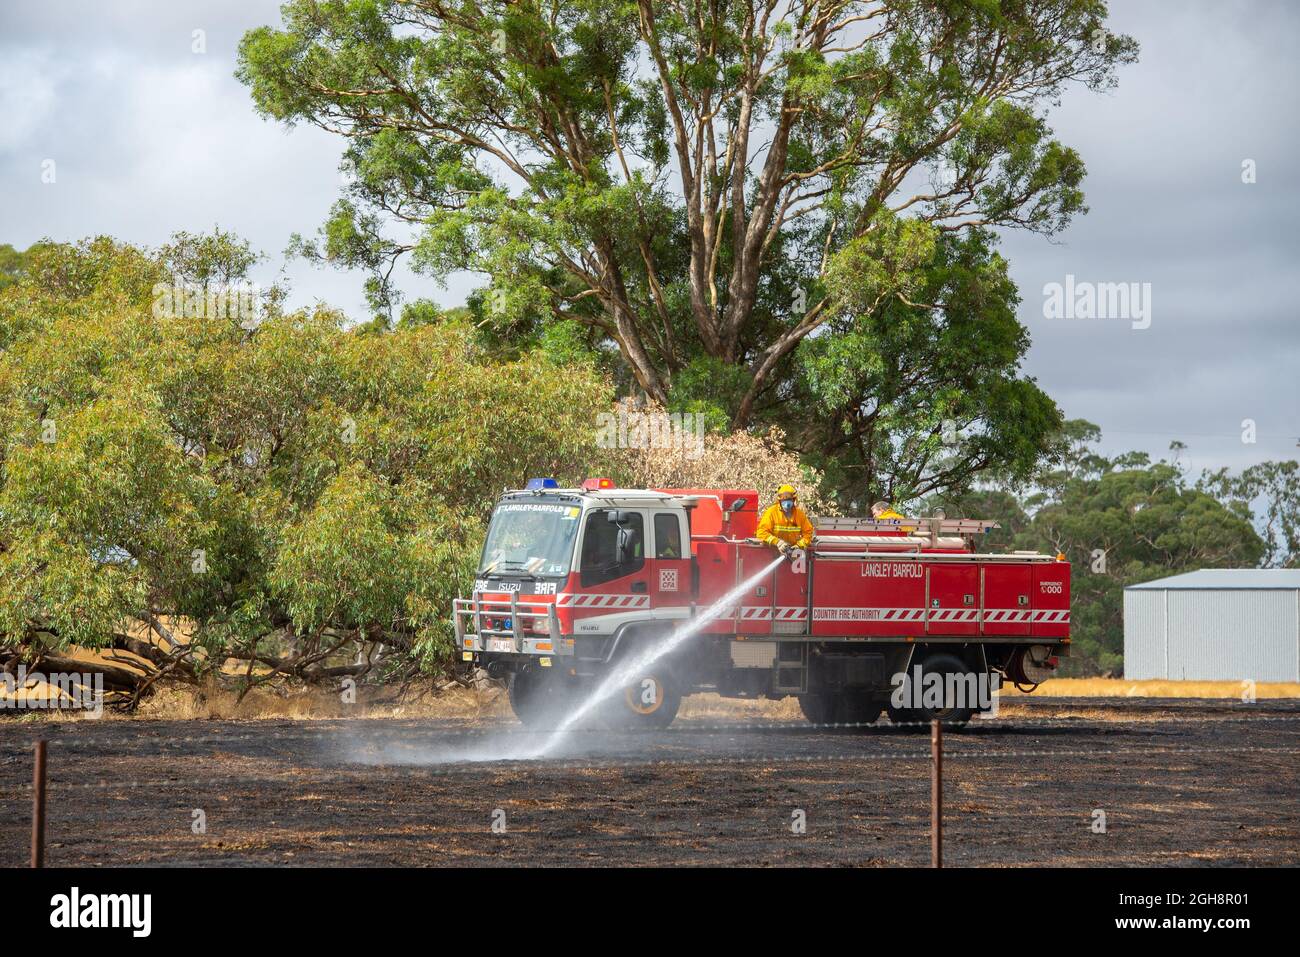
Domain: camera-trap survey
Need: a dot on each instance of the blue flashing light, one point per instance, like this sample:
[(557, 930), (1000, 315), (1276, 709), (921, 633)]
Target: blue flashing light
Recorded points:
[(537, 484)]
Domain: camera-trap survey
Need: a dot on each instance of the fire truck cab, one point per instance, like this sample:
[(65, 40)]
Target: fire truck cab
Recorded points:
[(576, 583)]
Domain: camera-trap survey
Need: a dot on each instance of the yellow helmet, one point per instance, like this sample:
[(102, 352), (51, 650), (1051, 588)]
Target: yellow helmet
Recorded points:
[(786, 490)]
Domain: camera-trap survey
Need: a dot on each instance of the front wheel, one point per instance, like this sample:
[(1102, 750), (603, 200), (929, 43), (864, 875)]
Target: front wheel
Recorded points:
[(650, 700), (537, 697)]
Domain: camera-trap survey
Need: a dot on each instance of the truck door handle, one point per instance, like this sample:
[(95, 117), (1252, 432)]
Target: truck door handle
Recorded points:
[(638, 586)]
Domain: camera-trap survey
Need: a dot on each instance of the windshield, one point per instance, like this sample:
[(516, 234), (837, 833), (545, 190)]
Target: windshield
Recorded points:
[(531, 538)]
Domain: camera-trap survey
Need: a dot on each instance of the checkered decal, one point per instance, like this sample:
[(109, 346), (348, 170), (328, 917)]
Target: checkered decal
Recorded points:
[(1006, 616), (566, 600), (764, 613), (992, 616)]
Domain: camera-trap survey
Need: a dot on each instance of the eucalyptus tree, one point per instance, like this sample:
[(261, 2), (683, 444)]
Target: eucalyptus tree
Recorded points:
[(772, 210)]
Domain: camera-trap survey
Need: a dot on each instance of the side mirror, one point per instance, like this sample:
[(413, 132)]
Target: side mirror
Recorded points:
[(738, 504)]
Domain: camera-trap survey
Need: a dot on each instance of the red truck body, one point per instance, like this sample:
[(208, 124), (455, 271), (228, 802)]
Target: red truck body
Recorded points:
[(606, 570)]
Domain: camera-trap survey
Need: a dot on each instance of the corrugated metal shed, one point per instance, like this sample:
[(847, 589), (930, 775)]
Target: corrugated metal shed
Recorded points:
[(1286, 578), (1220, 624)]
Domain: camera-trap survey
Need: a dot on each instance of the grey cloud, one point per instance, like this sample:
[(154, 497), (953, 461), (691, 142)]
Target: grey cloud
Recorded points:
[(150, 138), (1216, 84)]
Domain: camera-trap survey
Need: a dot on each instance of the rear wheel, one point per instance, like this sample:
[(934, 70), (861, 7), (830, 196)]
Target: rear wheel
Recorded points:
[(952, 709), (860, 709), (839, 708), (903, 715), (817, 708)]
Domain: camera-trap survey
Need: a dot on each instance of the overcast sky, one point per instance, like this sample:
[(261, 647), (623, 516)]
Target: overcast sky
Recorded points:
[(149, 137)]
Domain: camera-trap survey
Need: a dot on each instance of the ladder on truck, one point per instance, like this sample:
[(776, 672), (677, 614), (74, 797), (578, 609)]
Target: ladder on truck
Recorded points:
[(921, 533)]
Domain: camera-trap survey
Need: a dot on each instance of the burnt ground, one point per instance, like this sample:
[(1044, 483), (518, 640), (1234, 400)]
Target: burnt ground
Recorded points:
[(1180, 782)]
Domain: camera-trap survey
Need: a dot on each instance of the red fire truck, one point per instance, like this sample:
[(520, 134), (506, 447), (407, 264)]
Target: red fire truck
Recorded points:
[(575, 583)]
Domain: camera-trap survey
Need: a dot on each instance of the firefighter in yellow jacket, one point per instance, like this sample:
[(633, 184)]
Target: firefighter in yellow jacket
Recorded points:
[(784, 525), (882, 511)]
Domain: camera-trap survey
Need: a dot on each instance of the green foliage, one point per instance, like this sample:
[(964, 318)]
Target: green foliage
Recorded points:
[(709, 387), (216, 257), (993, 504), (11, 265), (1144, 523), (907, 402), (294, 490), (1272, 488), (731, 199)]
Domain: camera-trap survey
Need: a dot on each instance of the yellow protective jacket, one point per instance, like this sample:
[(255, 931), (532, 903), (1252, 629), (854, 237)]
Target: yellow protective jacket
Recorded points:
[(890, 513), (774, 528)]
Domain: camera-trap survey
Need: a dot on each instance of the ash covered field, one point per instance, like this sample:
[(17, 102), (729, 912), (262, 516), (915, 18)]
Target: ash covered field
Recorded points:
[(1179, 782)]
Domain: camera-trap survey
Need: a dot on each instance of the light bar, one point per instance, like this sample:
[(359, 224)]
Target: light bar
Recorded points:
[(537, 484), (592, 484)]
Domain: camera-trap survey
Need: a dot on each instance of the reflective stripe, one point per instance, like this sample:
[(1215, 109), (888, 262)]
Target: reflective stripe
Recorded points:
[(939, 615), (601, 600)]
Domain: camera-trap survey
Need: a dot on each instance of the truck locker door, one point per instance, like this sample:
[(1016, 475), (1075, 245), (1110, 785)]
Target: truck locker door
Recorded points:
[(790, 597), (717, 564), (1051, 600), (754, 607), (953, 607), (1006, 599)]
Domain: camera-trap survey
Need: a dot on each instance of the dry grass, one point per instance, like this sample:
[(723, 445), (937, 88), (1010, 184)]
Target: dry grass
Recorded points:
[(220, 704), (1123, 688), (713, 706), (214, 703)]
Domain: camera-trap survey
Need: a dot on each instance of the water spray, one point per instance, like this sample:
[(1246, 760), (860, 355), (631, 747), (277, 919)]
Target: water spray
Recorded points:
[(626, 671), (509, 747)]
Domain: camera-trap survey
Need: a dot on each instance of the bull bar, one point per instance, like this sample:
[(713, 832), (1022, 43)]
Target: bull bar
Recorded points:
[(516, 640)]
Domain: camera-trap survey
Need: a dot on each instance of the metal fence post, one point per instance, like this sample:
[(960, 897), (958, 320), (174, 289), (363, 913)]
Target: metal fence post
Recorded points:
[(936, 793), (38, 807)]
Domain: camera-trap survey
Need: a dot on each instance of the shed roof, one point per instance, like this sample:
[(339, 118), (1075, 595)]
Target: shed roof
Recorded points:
[(1213, 579)]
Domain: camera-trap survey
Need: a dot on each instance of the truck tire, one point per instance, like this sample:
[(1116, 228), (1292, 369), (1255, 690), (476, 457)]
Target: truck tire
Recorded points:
[(839, 708), (952, 717), (817, 708), (650, 700), (653, 696), (908, 716), (860, 709), (537, 697)]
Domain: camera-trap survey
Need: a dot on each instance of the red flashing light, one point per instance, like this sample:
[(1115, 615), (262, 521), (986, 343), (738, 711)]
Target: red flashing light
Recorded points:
[(593, 484)]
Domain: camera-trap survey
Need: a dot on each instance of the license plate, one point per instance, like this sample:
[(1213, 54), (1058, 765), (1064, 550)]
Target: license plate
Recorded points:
[(501, 644)]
